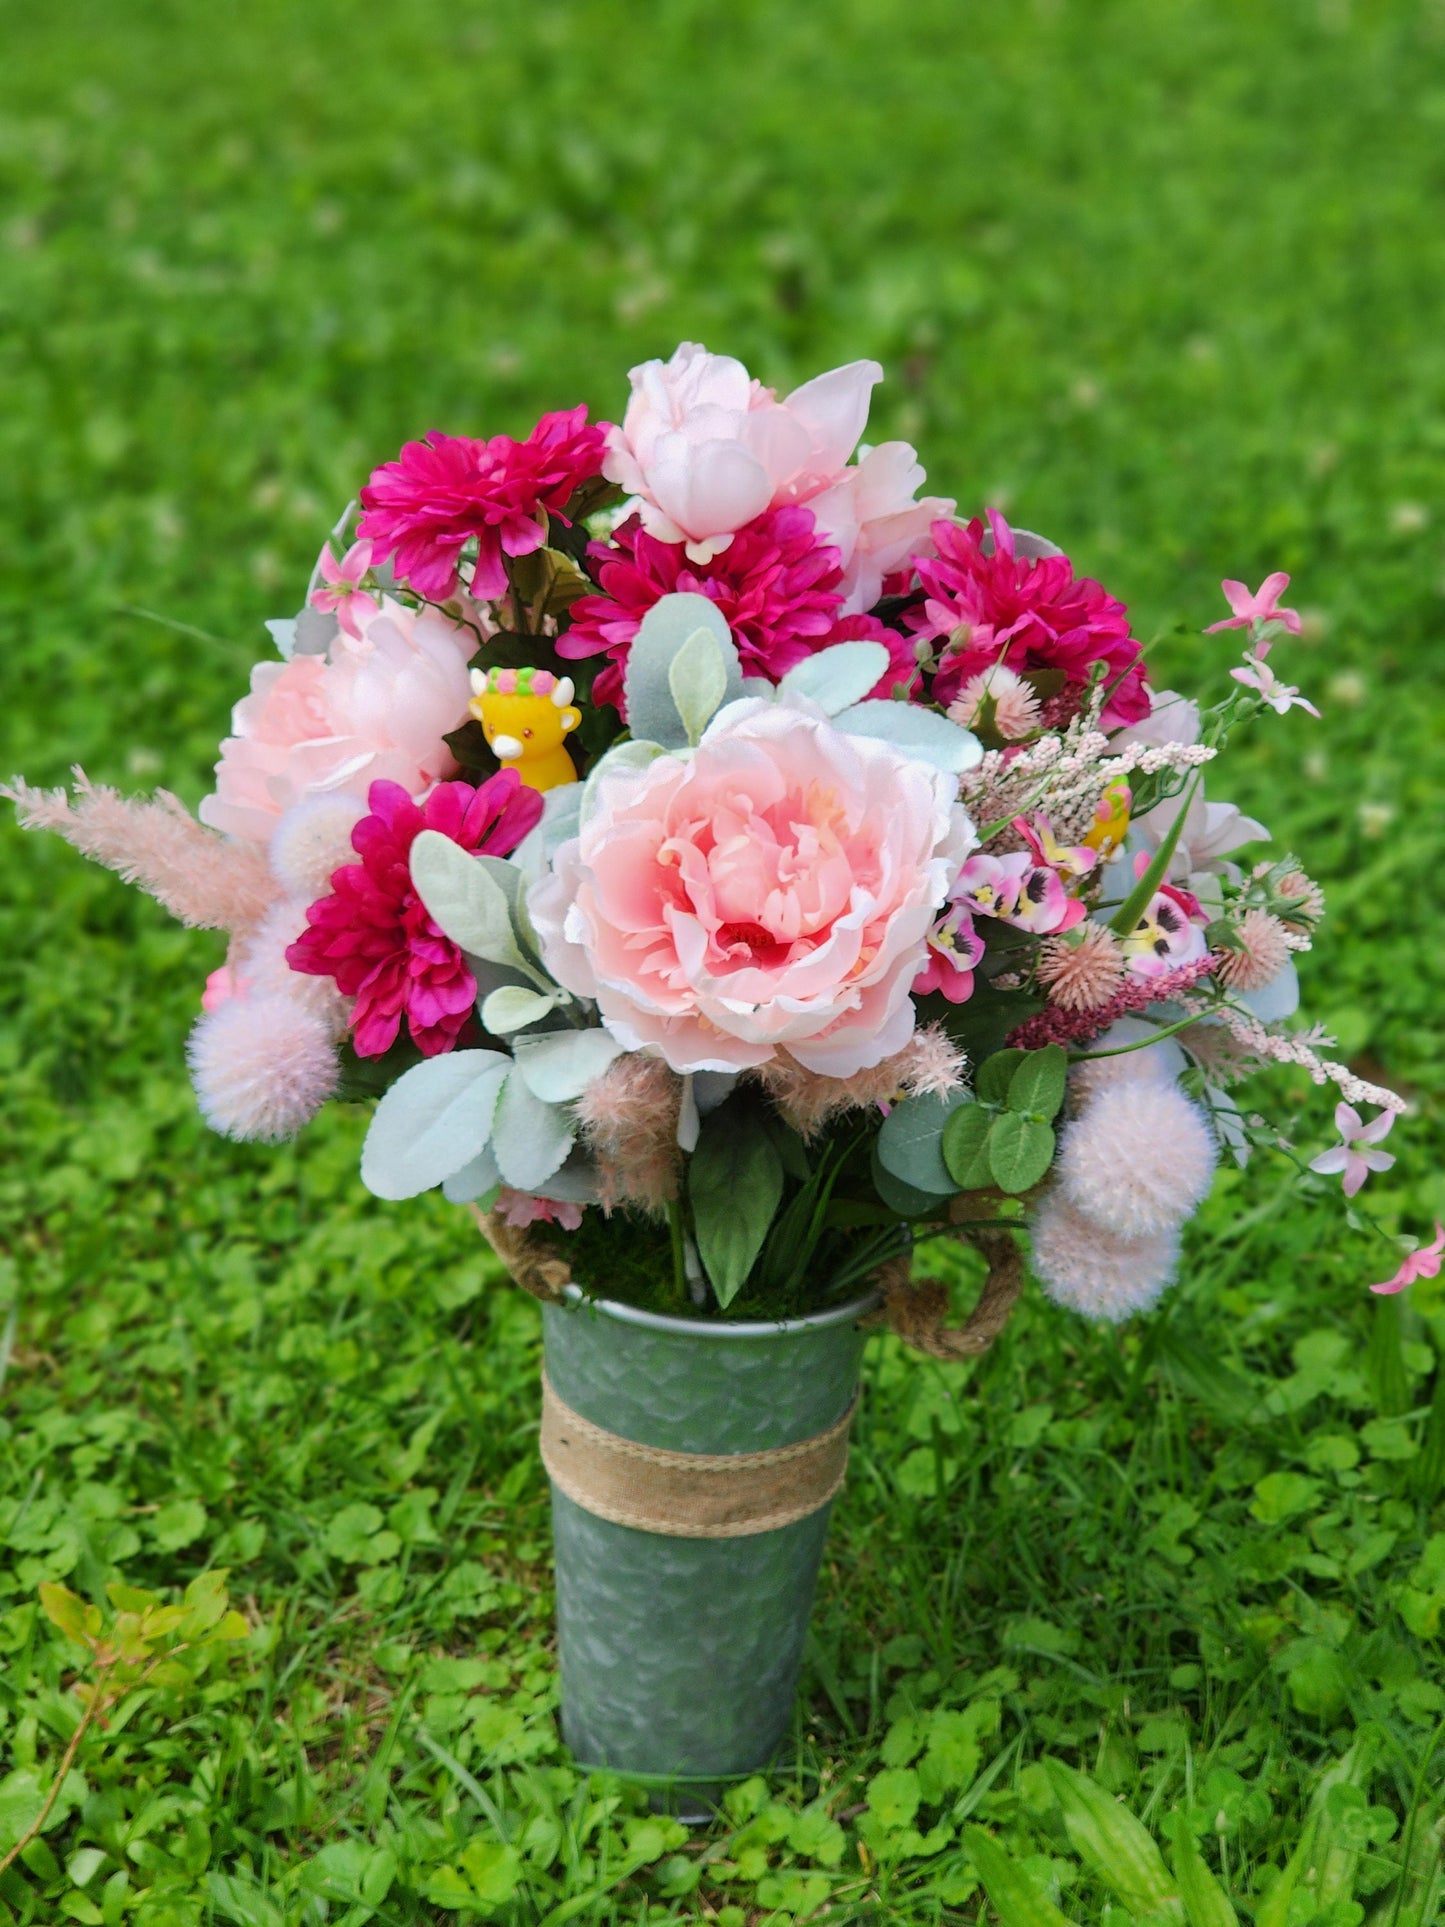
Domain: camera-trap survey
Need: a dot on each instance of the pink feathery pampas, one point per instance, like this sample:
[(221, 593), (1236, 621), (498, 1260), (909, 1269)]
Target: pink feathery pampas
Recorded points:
[(629, 1119), (200, 877), (929, 1064)]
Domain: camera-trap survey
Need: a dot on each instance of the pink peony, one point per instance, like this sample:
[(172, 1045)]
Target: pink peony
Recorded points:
[(999, 607), (778, 586), (377, 710), (451, 489), (707, 448), (773, 890), (872, 516), (373, 933)]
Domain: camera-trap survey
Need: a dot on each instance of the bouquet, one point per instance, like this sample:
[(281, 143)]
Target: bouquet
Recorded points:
[(729, 869)]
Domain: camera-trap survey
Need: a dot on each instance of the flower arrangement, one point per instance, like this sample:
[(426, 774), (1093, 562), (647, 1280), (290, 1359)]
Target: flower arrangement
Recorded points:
[(721, 861)]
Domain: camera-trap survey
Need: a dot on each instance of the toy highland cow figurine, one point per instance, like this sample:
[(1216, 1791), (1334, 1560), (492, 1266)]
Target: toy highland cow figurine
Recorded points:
[(524, 714)]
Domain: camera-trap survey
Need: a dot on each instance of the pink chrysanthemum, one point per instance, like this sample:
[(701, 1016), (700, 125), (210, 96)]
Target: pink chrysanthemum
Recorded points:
[(373, 933), (779, 587), (997, 696), (446, 490), (999, 607)]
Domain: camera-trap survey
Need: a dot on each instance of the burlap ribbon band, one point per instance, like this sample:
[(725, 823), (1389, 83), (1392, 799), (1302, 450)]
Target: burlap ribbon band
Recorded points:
[(689, 1495)]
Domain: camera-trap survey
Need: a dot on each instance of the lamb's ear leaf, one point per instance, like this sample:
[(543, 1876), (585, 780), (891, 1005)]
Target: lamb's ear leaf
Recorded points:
[(475, 1179), (531, 1139), (838, 677), (465, 897), (559, 1065), (920, 733), (513, 1006), (561, 809), (652, 712), (734, 1183), (433, 1120), (697, 680)]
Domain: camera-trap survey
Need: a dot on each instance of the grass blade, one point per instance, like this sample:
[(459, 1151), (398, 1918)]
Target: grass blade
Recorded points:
[(1013, 1896), (1205, 1902), (1114, 1843)]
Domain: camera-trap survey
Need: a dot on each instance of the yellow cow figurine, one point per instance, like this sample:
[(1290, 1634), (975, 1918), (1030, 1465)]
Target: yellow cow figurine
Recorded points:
[(524, 714)]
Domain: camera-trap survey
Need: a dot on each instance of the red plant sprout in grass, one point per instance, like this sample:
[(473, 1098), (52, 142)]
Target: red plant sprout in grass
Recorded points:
[(442, 492), (373, 934)]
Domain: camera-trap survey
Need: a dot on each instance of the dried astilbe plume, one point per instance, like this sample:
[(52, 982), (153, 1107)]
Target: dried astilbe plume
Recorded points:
[(629, 1120), (1082, 970), (930, 1064), (199, 876), (1264, 949)]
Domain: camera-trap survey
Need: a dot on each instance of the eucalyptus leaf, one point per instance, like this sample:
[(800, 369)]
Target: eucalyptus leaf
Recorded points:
[(900, 1197), (1020, 1150), (994, 1075), (465, 898), (559, 1066), (965, 1147), (475, 1179), (838, 677), (435, 1118), (530, 1138), (1037, 1085), (513, 1007), (920, 733), (734, 1184), (698, 679), (910, 1142), (652, 712)]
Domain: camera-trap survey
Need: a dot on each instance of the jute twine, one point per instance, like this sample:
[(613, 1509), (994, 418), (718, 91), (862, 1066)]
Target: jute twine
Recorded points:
[(694, 1495)]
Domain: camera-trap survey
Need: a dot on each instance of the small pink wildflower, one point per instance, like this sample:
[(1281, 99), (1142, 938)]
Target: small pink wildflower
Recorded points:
[(1280, 696), (1347, 1157), (520, 1208), (343, 592), (1424, 1263), (1258, 608), (954, 948)]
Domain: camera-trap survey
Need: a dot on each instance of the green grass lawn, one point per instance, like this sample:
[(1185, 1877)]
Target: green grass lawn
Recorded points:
[(1164, 278)]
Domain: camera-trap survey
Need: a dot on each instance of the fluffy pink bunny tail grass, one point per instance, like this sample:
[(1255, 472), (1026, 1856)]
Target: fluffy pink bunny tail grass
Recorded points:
[(1094, 1271), (158, 845), (262, 1067), (629, 1119), (311, 840), (261, 963), (930, 1064), (1138, 1160)]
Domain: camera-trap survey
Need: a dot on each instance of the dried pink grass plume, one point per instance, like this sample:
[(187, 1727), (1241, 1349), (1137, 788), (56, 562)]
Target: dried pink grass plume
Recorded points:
[(1264, 952), (1138, 1160), (158, 845), (930, 1064), (1094, 1271), (263, 1066), (629, 1119), (1082, 970)]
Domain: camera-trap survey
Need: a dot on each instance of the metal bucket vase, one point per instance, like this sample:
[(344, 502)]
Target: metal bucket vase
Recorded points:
[(680, 1646)]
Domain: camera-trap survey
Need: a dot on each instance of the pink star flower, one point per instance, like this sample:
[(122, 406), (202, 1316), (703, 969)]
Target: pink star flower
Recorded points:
[(1346, 1156), (448, 490), (1279, 696), (1424, 1263), (343, 592), (1258, 608)]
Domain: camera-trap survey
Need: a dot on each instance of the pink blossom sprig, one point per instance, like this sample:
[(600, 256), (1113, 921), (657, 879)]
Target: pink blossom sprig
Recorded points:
[(1423, 1263), (1056, 1026)]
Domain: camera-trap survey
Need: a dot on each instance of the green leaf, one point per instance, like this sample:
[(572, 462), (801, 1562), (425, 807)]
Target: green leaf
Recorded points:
[(512, 1007), (894, 1796), (911, 1139), (1014, 1897), (1139, 898), (465, 899), (178, 1524), (837, 677), (1281, 1495), (664, 633), (559, 1065), (433, 1120), (67, 1612), (899, 1197), (994, 1074), (530, 1139), (921, 734), (734, 1184), (1205, 1903), (494, 1870), (698, 680), (1037, 1085), (965, 1147), (1115, 1844), (1020, 1151)]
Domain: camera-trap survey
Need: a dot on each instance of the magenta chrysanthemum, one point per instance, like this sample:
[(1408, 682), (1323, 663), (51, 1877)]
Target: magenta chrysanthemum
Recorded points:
[(373, 933), (779, 587), (441, 492), (995, 606)]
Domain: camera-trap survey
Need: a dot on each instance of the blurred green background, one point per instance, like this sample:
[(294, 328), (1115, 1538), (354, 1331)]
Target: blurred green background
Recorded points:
[(1163, 280)]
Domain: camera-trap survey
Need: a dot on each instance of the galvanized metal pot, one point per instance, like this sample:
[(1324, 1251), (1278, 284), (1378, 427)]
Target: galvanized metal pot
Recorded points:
[(680, 1655)]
